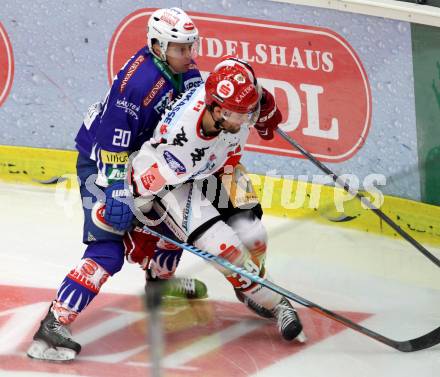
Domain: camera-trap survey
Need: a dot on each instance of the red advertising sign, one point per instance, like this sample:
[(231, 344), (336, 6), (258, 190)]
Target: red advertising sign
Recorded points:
[(6, 65), (318, 80)]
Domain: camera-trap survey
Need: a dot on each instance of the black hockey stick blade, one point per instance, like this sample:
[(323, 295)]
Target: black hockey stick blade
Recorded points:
[(425, 341), (361, 197), (428, 340)]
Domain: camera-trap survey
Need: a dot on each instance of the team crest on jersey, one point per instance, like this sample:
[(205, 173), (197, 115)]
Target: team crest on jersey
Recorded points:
[(174, 163)]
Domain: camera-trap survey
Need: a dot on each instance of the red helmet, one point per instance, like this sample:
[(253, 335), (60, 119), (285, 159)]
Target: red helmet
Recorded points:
[(232, 88)]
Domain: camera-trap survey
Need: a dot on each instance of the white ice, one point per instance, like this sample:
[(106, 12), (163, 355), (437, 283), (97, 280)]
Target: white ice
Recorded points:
[(337, 268)]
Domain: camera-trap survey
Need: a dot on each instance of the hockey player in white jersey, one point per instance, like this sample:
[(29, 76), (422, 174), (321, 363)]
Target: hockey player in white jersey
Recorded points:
[(197, 143)]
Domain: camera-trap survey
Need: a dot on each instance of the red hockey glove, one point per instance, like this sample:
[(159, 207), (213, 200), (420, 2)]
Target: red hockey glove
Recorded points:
[(269, 117), (139, 246)]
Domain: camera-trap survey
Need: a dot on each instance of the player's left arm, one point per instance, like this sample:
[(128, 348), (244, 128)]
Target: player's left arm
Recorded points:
[(158, 164)]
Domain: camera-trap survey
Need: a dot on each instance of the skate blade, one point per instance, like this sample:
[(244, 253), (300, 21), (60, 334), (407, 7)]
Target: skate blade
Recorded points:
[(301, 338), (40, 350)]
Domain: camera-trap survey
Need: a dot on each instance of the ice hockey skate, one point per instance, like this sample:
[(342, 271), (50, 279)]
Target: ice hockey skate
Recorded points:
[(289, 324), (187, 288), (53, 341), (253, 306)]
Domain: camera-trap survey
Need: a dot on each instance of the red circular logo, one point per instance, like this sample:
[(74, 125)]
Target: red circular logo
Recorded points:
[(225, 89), (6, 65), (89, 267)]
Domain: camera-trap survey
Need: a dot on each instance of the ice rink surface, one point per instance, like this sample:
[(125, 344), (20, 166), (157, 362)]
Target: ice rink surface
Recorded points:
[(383, 284)]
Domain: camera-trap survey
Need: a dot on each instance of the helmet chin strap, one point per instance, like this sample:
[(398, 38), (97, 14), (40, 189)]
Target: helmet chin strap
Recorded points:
[(218, 124)]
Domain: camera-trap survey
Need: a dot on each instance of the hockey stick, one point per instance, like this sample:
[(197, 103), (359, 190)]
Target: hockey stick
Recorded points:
[(417, 344), (364, 200)]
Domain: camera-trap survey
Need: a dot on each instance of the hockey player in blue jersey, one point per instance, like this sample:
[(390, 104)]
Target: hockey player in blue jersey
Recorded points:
[(112, 129)]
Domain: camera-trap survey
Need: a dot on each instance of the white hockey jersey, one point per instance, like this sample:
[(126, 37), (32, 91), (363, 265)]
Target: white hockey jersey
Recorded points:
[(178, 150)]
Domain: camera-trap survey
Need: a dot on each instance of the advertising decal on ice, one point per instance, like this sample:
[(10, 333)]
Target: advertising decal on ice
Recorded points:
[(114, 336)]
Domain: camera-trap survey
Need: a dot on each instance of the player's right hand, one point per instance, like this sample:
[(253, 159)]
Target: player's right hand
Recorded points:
[(139, 246), (118, 213)]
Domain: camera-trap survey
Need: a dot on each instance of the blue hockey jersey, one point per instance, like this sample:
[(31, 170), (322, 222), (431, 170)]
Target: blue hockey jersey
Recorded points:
[(127, 117)]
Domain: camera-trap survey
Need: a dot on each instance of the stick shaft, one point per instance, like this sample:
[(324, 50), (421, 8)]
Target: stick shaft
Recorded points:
[(362, 198), (420, 343)]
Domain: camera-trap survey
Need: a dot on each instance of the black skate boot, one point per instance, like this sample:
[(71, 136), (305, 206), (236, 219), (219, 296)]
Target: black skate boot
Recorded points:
[(289, 324), (53, 341), (187, 288), (253, 306)]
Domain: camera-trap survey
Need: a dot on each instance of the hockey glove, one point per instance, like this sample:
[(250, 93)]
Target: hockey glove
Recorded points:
[(139, 246), (118, 213), (269, 117)]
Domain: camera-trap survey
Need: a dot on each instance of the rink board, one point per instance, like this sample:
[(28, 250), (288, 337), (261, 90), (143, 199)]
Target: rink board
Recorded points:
[(279, 197)]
